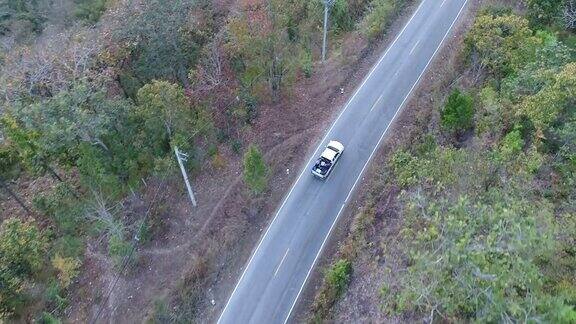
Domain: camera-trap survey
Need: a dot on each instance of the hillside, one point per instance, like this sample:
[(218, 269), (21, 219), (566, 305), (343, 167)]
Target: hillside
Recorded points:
[(95, 95)]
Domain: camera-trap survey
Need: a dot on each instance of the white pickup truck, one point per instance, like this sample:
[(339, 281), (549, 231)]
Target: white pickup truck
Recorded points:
[(327, 160)]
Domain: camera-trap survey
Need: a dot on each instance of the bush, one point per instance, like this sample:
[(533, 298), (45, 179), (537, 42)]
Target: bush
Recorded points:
[(22, 249), (53, 295), (9, 162), (339, 276), (90, 10), (306, 63), (458, 112), (335, 282), (255, 170), (378, 17), (118, 249), (48, 318), (544, 12), (67, 269), (512, 143)]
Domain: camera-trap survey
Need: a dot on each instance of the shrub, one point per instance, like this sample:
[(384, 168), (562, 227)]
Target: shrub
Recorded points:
[(236, 146), (255, 170), (490, 117), (405, 168), (48, 318), (335, 281), (118, 249), (544, 11), (306, 63), (512, 143), (67, 269), (378, 17), (22, 248), (339, 276), (340, 16), (53, 295), (458, 112), (9, 161), (90, 10)]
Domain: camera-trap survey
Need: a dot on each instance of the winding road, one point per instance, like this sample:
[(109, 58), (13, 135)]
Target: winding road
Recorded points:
[(279, 267)]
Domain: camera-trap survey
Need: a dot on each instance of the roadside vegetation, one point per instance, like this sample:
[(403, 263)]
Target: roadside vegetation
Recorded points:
[(94, 97), (486, 196)]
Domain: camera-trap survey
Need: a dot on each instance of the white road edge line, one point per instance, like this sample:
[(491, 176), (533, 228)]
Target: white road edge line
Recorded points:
[(314, 155), (281, 261), (442, 4), (368, 162), (413, 48)]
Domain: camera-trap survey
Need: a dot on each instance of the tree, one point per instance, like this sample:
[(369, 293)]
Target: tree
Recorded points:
[(163, 105), (569, 14), (546, 106), (89, 10), (165, 38), (544, 12), (549, 60), (503, 43), (22, 249), (258, 38), (255, 170), (458, 112), (167, 117)]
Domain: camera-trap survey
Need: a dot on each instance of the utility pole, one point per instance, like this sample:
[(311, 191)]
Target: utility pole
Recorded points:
[(327, 5), (183, 157)]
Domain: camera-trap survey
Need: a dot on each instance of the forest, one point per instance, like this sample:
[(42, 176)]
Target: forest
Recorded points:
[(95, 95), (485, 194)]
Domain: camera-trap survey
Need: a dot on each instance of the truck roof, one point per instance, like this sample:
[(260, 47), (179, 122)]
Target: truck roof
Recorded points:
[(329, 154)]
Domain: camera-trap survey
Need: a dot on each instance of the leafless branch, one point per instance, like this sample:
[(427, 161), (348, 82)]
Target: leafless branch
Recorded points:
[(570, 14)]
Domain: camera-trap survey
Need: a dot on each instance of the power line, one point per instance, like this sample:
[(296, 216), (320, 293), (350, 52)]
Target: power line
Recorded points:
[(127, 258)]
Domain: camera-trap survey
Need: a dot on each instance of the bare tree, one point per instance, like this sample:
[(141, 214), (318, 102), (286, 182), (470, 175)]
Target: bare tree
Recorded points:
[(101, 211), (56, 59), (570, 14), (208, 72)]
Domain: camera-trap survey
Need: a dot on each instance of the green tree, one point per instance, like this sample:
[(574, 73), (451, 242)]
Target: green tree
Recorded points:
[(89, 10), (478, 259), (544, 12), (552, 101), (258, 43), (163, 108), (166, 38), (503, 43), (167, 117), (255, 170), (26, 12), (458, 112), (22, 250), (549, 60)]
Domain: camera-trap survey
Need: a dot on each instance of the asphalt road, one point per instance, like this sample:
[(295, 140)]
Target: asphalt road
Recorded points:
[(279, 267)]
